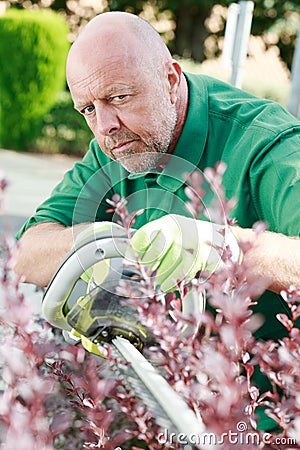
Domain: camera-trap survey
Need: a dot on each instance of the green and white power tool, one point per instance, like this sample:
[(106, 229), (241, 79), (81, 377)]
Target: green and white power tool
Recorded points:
[(82, 299)]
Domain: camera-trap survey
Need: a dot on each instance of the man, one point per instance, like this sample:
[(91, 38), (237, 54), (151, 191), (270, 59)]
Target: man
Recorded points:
[(143, 110)]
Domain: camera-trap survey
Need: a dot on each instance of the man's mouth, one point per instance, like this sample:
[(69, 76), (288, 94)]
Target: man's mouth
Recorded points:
[(122, 148)]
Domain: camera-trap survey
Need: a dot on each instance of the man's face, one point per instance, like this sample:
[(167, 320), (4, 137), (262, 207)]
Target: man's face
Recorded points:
[(126, 105)]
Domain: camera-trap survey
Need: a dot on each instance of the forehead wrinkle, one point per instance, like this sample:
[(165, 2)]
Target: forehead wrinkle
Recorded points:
[(126, 59), (85, 98), (91, 77), (110, 88), (100, 83), (91, 93)]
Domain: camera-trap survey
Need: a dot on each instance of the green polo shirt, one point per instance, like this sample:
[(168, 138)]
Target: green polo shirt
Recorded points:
[(257, 139)]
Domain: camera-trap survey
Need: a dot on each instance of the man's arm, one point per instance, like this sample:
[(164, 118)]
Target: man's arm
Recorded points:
[(42, 248), (166, 243), (273, 256)]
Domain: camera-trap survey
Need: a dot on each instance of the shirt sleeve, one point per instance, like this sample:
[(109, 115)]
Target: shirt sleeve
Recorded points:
[(276, 185), (80, 196)]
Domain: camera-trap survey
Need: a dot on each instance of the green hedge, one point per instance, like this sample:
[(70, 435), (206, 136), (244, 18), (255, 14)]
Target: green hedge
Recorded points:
[(63, 130), (33, 50)]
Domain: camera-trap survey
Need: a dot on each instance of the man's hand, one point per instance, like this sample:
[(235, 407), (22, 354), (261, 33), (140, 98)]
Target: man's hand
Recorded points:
[(178, 247)]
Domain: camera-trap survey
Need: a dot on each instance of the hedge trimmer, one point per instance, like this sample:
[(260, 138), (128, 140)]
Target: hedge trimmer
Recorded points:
[(100, 319)]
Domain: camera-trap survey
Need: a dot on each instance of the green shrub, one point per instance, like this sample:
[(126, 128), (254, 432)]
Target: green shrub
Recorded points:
[(63, 130), (33, 50)]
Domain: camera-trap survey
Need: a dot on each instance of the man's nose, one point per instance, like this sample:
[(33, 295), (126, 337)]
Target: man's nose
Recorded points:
[(107, 119)]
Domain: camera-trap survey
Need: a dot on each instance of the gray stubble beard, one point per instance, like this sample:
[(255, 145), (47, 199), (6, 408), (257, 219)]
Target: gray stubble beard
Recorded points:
[(150, 160)]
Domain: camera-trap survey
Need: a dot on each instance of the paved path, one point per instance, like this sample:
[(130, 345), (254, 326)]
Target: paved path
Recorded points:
[(31, 178)]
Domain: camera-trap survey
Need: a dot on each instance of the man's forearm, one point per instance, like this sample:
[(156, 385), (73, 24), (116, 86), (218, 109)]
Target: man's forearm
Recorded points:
[(273, 256), (42, 248)]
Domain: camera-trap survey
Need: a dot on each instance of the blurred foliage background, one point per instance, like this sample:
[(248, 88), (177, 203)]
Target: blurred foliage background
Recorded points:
[(192, 30), (33, 50)]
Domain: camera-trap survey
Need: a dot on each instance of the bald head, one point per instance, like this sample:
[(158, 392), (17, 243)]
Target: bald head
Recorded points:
[(132, 36), (122, 23)]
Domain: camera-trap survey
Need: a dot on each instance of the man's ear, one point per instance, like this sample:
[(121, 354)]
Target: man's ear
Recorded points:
[(173, 75)]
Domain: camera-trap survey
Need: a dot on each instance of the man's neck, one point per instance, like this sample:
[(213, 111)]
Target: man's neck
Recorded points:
[(181, 108)]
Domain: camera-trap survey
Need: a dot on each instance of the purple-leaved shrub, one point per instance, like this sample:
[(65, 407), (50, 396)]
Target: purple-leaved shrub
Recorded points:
[(57, 396)]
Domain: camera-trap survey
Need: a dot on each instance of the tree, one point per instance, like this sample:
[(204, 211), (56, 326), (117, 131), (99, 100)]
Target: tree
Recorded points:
[(282, 19), (189, 17), (190, 25), (191, 30)]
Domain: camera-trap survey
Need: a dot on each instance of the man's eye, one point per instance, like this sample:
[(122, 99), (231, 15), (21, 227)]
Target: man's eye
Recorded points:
[(88, 110), (117, 98)]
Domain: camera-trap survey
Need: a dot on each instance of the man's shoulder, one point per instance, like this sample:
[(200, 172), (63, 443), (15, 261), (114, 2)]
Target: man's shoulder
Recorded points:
[(228, 103), (221, 93)]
